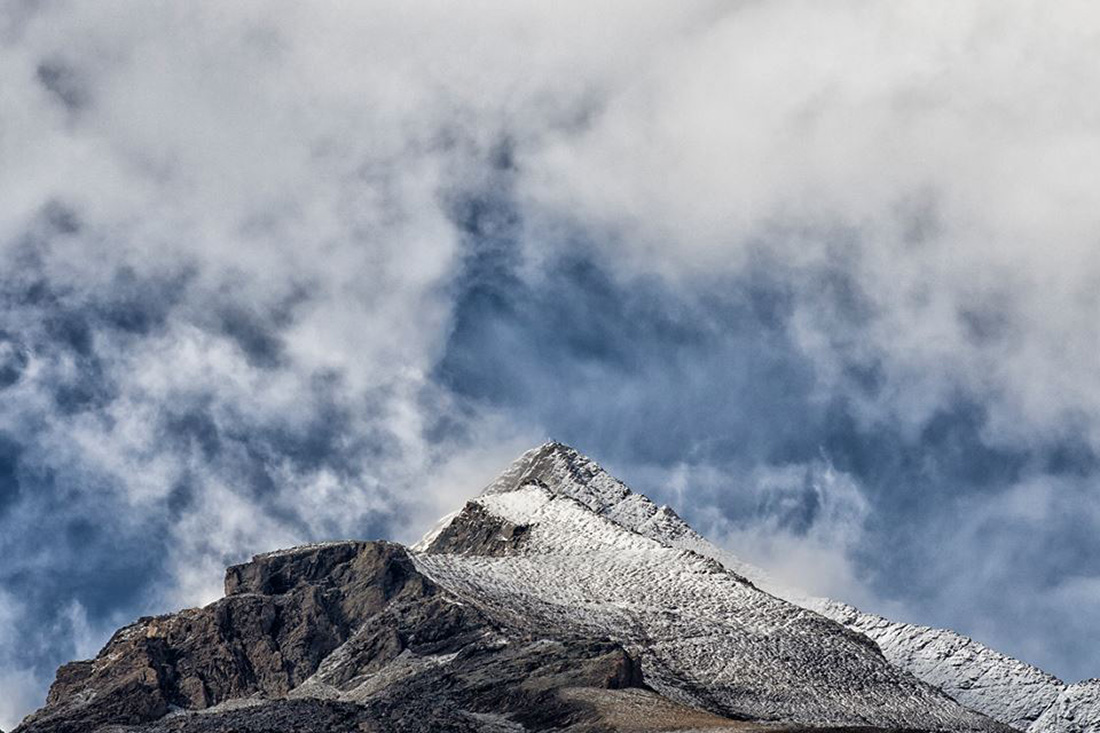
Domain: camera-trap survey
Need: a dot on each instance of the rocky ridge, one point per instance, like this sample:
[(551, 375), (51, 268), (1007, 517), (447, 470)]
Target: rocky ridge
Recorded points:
[(705, 635), (1076, 709), (555, 600), (983, 679)]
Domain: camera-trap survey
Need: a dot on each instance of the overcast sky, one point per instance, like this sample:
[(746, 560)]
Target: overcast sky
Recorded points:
[(822, 276)]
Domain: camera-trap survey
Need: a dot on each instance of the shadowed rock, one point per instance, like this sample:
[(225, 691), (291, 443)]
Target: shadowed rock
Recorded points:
[(477, 532), (319, 622), (554, 601), (285, 613)]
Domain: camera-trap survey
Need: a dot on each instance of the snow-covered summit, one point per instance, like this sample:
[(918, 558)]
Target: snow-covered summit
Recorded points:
[(564, 471), (558, 546), (1004, 688)]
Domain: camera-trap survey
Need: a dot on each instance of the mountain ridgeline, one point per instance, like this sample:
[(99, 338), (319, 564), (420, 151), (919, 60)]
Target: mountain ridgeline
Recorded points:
[(556, 599)]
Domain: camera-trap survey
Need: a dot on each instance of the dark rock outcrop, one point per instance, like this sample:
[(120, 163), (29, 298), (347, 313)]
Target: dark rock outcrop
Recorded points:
[(542, 605), (477, 532), (300, 627), (285, 613)]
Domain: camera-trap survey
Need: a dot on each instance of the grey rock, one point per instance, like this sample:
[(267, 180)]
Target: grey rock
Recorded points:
[(287, 612), (477, 532), (556, 600)]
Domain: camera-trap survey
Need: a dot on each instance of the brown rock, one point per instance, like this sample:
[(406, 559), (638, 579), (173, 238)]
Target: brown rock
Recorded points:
[(284, 613)]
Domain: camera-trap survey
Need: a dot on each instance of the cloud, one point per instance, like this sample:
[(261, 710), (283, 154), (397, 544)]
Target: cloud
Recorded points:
[(799, 521), (21, 687), (22, 644), (936, 155), (823, 278), (227, 244), (1022, 555)]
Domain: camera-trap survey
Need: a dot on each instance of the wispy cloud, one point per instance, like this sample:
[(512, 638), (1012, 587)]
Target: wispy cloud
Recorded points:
[(822, 276)]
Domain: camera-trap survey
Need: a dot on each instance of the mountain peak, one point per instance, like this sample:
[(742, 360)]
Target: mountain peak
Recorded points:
[(555, 599), (1008, 689), (556, 547), (561, 469), (564, 471)]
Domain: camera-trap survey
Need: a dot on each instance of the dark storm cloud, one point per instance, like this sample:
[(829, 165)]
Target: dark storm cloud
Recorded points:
[(594, 355), (67, 539), (259, 343)]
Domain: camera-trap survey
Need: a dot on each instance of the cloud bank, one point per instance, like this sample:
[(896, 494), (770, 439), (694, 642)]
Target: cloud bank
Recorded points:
[(821, 277)]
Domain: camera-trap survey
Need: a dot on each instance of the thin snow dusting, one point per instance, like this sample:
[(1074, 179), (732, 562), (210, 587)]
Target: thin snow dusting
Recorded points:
[(1077, 710), (322, 684), (434, 532), (705, 636), (979, 677), (286, 552), (609, 589)]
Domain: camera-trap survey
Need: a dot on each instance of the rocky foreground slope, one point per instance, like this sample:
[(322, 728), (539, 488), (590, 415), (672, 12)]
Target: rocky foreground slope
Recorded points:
[(555, 600)]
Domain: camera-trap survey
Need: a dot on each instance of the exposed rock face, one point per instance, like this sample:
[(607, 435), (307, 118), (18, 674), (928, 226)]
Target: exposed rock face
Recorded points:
[(555, 600), (475, 530), (286, 612)]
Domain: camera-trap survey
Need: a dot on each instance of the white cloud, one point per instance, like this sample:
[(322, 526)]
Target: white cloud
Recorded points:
[(22, 692), (21, 688), (940, 154), (799, 522), (22, 685), (291, 167)]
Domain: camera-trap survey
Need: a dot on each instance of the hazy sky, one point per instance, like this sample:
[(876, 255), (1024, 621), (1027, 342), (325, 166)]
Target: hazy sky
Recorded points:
[(823, 276)]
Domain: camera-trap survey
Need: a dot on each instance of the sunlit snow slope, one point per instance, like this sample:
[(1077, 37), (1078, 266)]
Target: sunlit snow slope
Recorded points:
[(584, 537), (556, 543)]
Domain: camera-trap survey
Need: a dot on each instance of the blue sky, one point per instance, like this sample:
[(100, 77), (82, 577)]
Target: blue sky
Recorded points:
[(823, 280)]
